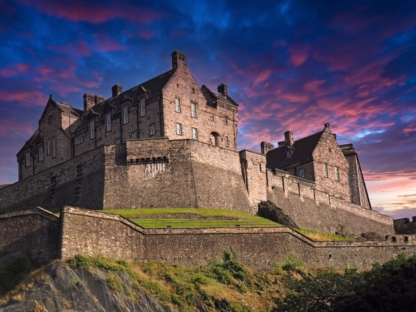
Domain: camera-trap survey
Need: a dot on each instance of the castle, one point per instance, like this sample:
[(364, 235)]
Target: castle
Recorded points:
[(168, 143)]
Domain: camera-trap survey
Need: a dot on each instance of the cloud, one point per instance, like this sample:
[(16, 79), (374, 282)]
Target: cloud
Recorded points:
[(96, 13)]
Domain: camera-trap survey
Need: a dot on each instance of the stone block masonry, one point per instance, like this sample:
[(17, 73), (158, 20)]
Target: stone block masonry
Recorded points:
[(316, 210), (92, 232), (32, 231)]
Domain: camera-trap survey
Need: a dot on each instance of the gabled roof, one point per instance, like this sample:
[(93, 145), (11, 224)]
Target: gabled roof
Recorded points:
[(150, 87), (34, 140), (303, 148), (211, 96), (69, 110)]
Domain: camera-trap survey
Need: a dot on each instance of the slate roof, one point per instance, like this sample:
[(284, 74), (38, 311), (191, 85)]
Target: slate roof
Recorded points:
[(303, 148), (211, 96), (69, 110), (153, 87)]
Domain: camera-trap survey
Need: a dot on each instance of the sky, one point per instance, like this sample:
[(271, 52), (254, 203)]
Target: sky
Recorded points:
[(291, 65)]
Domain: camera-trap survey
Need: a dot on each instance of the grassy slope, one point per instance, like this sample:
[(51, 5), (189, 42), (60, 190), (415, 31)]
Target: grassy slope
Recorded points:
[(191, 218)]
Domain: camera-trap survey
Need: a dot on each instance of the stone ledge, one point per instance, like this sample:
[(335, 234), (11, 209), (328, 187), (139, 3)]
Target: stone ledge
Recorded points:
[(38, 210)]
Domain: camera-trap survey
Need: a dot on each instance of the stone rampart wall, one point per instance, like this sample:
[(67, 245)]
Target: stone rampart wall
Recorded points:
[(92, 232), (405, 226), (316, 210), (173, 173), (32, 231), (78, 181)]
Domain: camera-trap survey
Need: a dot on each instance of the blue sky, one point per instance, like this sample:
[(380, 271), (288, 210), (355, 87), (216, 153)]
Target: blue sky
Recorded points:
[(292, 65)]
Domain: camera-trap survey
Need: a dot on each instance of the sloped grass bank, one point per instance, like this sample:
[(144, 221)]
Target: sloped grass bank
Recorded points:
[(191, 218), (321, 236)]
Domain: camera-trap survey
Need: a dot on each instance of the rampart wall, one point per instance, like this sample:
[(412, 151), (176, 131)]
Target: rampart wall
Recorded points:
[(92, 232), (78, 181), (405, 226), (316, 210), (32, 231), (173, 173)]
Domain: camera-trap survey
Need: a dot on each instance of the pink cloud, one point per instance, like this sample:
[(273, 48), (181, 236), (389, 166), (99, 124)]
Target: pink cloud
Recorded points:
[(146, 34), (7, 72), (13, 128), (409, 129), (313, 86), (299, 54), (105, 44), (262, 76), (95, 13), (25, 98)]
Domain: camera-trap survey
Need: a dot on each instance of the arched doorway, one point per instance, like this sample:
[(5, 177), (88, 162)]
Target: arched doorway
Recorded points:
[(214, 139)]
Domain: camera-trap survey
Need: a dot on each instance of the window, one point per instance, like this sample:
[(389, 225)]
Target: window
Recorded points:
[(194, 133), (227, 142), (179, 129), (108, 118), (152, 129), (142, 107), (48, 148), (177, 105), (301, 173), (53, 147), (193, 110), (27, 159), (125, 114), (225, 120), (336, 173), (92, 129), (325, 170), (40, 153), (134, 135), (289, 151)]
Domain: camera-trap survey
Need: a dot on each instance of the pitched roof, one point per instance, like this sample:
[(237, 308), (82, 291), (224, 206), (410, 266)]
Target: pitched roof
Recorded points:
[(152, 87), (212, 95), (303, 148), (69, 110)]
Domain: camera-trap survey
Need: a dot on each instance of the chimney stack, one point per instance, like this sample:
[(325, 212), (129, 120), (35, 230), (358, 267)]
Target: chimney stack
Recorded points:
[(178, 59), (289, 140), (116, 90), (89, 101), (98, 99), (265, 147), (222, 89)]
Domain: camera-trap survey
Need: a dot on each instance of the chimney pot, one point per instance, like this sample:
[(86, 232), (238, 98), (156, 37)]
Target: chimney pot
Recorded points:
[(89, 101), (289, 140), (98, 99), (116, 90), (222, 89), (265, 147), (178, 59)]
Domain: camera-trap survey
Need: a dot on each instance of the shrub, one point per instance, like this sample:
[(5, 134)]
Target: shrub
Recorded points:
[(292, 262)]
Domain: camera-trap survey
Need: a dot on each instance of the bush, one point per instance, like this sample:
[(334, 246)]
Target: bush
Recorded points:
[(291, 263)]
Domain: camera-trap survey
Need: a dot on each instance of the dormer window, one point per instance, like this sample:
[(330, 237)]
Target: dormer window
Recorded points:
[(27, 159), (108, 118), (125, 114), (92, 129), (142, 107), (301, 173), (40, 153), (289, 151)]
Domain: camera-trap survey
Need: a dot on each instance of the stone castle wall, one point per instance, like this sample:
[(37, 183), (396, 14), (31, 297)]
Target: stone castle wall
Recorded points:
[(173, 173), (405, 226), (78, 181), (316, 210), (32, 231), (92, 232)]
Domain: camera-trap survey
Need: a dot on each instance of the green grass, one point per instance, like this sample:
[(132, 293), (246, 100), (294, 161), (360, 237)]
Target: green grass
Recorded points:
[(321, 236), (199, 218)]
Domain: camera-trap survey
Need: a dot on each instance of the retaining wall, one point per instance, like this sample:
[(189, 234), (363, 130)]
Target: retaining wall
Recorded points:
[(91, 232), (32, 231)]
